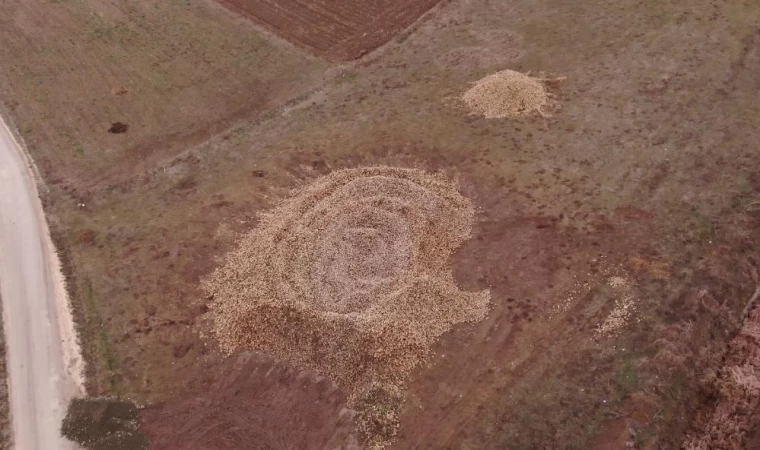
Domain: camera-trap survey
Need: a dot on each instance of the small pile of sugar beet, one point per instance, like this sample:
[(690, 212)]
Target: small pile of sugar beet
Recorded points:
[(506, 94)]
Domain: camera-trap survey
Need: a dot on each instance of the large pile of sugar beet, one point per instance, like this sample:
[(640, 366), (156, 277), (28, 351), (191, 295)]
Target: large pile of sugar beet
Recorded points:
[(351, 277)]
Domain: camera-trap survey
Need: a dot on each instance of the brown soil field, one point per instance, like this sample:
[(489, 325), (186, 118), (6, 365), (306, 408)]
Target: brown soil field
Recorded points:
[(256, 402), (645, 172), (339, 30)]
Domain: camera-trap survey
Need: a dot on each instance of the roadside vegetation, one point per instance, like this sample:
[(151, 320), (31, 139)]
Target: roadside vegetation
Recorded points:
[(104, 424), (5, 422)]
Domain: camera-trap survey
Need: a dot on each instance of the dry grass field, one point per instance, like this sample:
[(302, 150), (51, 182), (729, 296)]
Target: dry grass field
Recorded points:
[(175, 73), (618, 234)]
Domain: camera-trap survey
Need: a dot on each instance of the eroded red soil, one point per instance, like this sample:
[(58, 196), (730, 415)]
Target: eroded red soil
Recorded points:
[(255, 403)]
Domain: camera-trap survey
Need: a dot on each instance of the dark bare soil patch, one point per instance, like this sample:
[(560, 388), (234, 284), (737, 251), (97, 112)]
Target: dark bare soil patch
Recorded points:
[(118, 128), (337, 29)]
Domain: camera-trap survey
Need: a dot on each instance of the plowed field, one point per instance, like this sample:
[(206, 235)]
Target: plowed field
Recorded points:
[(336, 29)]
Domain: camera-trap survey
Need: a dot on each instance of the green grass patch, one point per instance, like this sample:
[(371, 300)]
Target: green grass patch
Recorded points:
[(106, 361), (626, 378)]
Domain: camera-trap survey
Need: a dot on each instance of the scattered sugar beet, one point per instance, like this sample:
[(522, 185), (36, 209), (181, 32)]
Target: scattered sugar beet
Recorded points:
[(350, 277)]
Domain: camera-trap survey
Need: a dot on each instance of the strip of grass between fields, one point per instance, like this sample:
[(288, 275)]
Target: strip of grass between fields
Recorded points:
[(105, 359)]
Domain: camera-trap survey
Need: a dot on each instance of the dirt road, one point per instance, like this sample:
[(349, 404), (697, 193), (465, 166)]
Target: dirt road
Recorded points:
[(42, 365)]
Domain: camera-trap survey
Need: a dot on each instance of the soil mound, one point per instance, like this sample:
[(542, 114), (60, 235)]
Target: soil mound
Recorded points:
[(506, 94), (350, 277)]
